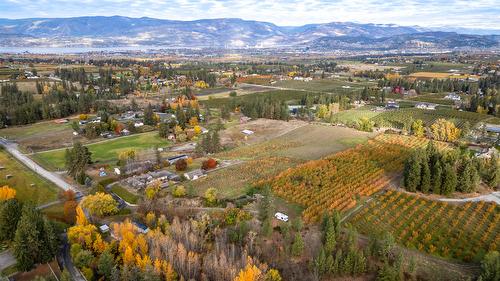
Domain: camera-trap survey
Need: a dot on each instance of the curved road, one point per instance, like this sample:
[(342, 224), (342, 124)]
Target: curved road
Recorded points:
[(53, 177), (492, 197)]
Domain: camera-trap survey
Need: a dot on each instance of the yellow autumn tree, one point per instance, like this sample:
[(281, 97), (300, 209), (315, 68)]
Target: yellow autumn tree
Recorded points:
[(249, 273), (99, 245), (81, 219), (84, 235), (142, 262), (168, 271), (273, 275), (7, 193), (128, 256), (444, 130), (197, 130), (100, 204), (193, 121)]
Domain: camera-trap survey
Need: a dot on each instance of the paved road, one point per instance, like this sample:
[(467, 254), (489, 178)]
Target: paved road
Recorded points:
[(68, 263), (53, 177), (6, 259), (492, 197)]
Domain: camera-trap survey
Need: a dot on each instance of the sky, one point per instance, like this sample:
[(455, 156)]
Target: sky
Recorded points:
[(482, 14)]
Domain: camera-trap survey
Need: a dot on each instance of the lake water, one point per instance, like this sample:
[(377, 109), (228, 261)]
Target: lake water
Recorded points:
[(78, 50)]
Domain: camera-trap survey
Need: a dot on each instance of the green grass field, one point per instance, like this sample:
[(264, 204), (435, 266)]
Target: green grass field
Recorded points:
[(353, 115), (106, 151), (33, 130), (326, 85), (125, 194), (42, 191)]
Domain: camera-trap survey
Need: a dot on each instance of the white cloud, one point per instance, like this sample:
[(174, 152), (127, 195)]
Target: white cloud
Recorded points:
[(476, 14)]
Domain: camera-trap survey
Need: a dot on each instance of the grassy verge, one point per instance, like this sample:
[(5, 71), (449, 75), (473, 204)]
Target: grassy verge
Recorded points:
[(9, 271), (28, 185), (104, 152)]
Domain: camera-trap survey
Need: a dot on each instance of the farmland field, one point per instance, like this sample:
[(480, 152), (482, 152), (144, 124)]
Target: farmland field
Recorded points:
[(268, 158), (105, 151), (397, 118), (28, 185), (40, 136), (441, 75), (433, 98), (457, 231), (334, 182), (326, 85), (353, 115)]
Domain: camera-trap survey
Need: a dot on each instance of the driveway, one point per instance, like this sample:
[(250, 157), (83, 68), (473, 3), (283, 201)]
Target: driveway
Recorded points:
[(492, 197), (53, 177), (6, 259)]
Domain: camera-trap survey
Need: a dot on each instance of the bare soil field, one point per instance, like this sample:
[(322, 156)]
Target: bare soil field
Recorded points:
[(264, 129)]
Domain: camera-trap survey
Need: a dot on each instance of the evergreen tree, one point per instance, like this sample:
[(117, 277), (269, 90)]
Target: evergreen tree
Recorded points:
[(149, 116), (50, 242), (77, 160), (10, 213), (425, 182), (180, 115), (27, 244), (35, 240), (467, 179), (105, 264), (449, 180), (493, 175), (437, 177), (330, 235), (411, 174), (163, 130), (298, 245), (490, 267)]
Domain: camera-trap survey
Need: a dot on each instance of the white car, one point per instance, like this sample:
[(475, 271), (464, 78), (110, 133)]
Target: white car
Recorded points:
[(281, 216)]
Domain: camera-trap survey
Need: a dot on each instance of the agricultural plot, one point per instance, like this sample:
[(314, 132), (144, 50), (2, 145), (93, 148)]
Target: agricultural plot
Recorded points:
[(104, 151), (336, 181), (353, 115), (456, 231), (326, 85), (397, 118), (433, 98), (28, 185), (266, 159), (40, 136)]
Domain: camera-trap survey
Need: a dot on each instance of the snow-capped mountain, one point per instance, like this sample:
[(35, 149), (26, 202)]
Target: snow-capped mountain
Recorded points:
[(221, 33)]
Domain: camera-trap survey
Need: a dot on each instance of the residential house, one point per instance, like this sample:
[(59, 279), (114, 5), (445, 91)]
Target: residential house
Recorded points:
[(426, 105), (195, 174)]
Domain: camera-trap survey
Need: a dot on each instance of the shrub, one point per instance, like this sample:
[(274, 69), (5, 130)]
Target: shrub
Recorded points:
[(209, 164), (181, 165), (179, 191)]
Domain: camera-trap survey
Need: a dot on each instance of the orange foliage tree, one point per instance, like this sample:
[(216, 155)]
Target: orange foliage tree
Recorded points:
[(7, 193)]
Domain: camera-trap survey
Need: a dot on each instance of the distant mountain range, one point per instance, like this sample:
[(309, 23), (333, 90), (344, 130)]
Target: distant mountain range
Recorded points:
[(227, 33)]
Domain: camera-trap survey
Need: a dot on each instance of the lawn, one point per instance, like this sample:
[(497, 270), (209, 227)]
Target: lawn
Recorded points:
[(105, 151), (29, 186), (125, 194), (353, 115)]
